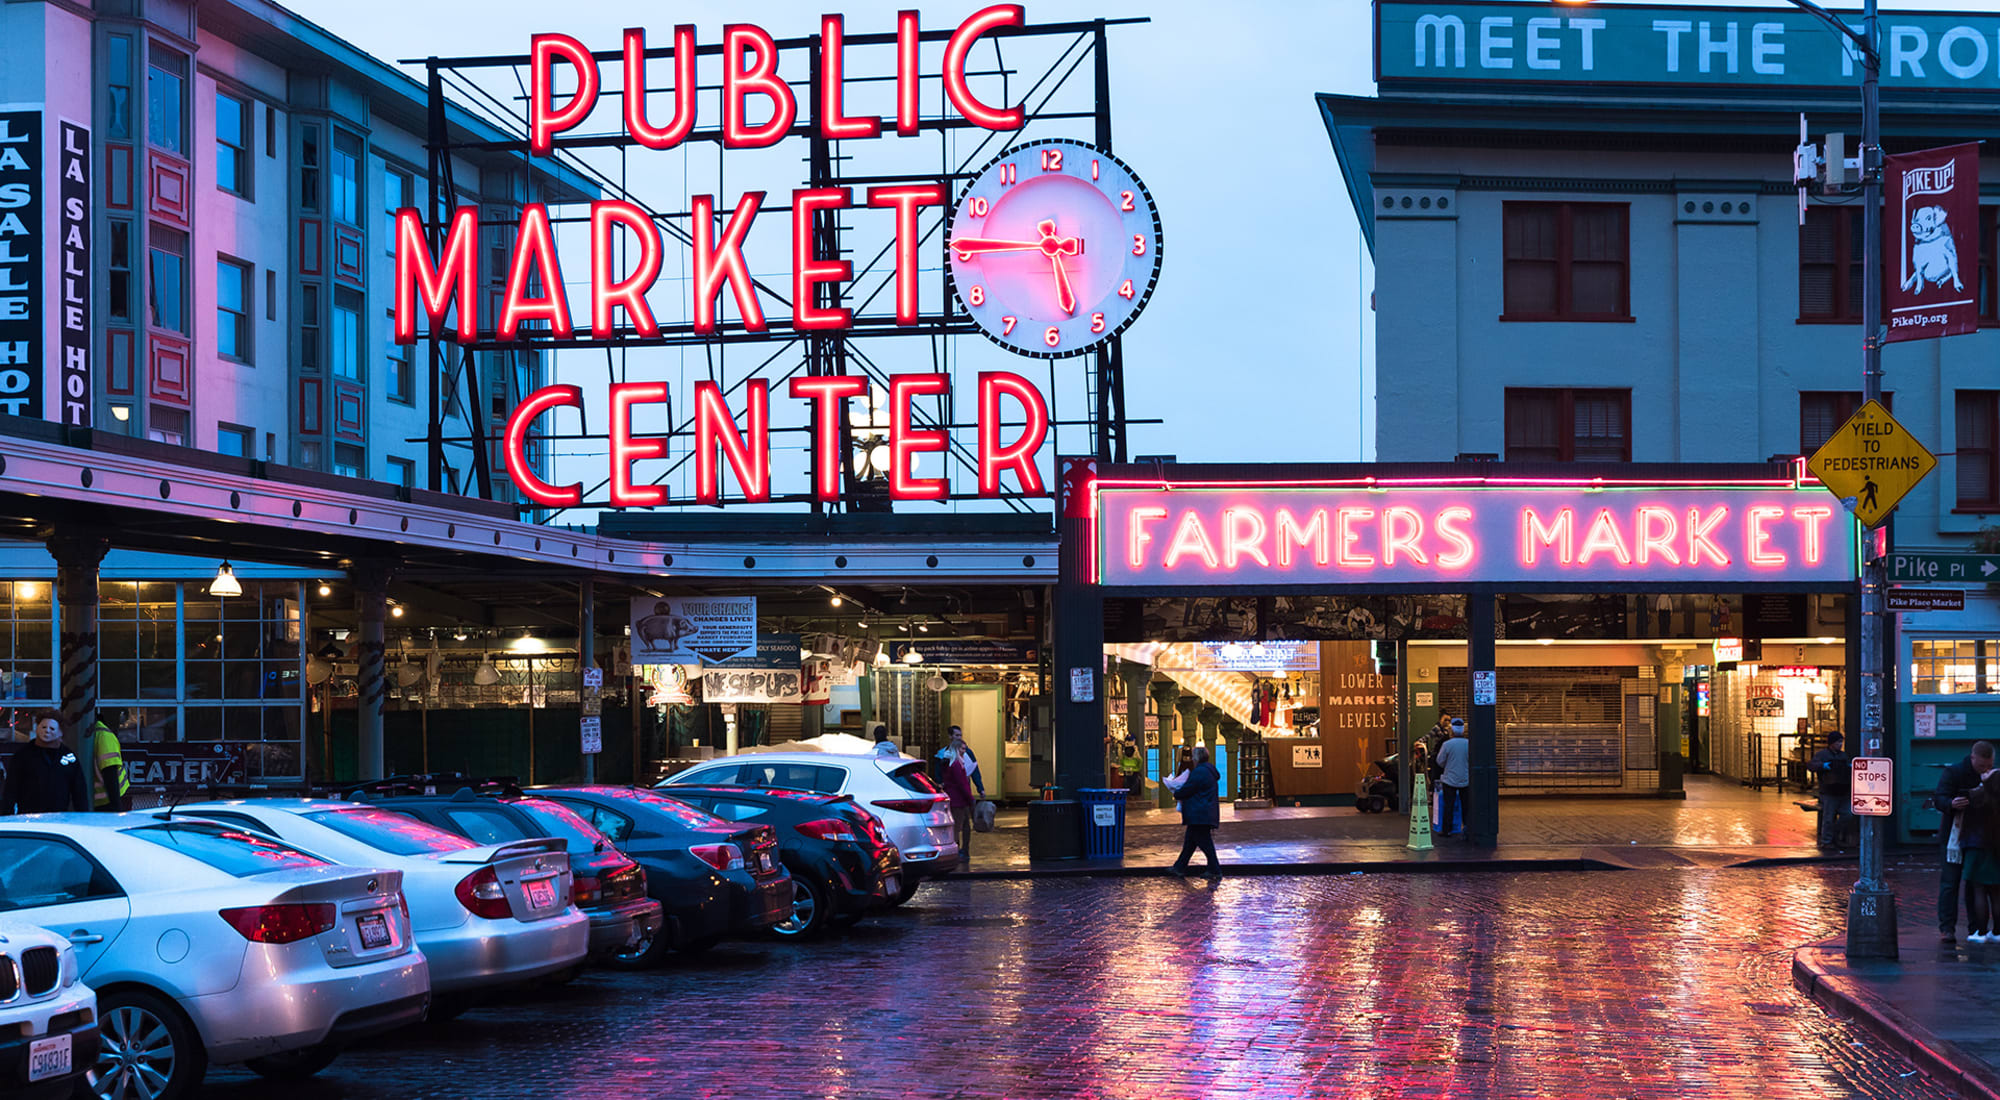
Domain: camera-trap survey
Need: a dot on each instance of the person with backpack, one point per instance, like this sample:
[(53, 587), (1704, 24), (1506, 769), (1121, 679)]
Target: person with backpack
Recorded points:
[(1199, 792)]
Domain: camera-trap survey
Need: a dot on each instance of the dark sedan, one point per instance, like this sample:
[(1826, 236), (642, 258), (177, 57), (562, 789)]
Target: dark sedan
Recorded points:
[(841, 861), (713, 877)]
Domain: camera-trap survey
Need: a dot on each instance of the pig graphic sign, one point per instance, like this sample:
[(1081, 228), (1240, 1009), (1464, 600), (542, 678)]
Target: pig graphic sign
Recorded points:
[(1931, 226)]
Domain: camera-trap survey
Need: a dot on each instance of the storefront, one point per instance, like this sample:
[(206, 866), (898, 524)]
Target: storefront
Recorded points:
[(1327, 616)]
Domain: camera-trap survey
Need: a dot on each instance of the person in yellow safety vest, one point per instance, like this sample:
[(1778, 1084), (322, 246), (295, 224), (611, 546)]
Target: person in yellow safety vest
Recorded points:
[(110, 762)]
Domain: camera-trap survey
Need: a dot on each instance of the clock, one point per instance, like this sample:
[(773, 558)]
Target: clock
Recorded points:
[(1054, 248)]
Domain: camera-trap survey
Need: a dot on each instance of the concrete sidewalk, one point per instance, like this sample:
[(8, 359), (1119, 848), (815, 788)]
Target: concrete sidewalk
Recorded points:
[(1936, 1005), (1719, 825)]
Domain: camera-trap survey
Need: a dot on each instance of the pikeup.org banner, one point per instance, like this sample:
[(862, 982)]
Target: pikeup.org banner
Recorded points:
[(1930, 228)]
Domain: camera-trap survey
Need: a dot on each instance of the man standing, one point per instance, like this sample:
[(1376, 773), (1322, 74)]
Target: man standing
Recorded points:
[(1833, 768), (1454, 765), (46, 776), (114, 789), (1953, 795)]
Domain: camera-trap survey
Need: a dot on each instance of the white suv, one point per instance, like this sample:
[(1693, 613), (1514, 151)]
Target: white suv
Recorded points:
[(48, 1017), (896, 789)]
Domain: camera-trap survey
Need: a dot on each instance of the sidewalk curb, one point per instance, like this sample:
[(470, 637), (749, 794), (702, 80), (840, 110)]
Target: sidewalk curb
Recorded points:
[(1352, 867), (1846, 999)]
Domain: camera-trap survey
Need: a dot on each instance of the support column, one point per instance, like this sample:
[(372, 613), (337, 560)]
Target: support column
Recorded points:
[(1078, 643), (1232, 739), (77, 558), (371, 594), (586, 659), (1482, 826), (1188, 709), (1211, 722), (1138, 680)]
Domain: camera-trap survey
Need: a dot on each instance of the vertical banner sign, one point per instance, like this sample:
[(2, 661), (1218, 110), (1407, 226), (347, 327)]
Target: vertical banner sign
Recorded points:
[(1931, 221), (73, 238), (22, 241)]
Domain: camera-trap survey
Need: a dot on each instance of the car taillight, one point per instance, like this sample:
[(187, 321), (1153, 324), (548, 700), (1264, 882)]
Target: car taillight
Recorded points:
[(280, 923), (483, 896), (827, 829), (908, 805), (403, 906), (722, 857), (587, 890)]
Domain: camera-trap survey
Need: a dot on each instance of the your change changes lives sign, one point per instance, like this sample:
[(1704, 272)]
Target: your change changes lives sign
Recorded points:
[(693, 630)]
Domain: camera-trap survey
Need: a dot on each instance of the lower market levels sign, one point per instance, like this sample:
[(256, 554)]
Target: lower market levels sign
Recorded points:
[(1950, 568)]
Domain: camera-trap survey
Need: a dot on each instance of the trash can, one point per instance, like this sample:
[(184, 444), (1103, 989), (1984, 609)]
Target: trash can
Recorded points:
[(1103, 823), (1055, 830)]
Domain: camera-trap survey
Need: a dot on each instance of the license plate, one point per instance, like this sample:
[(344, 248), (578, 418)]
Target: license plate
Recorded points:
[(541, 893), (764, 861), (48, 1058), (892, 884), (374, 931)]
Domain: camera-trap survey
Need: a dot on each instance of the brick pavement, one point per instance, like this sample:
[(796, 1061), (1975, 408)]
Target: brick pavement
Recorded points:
[(1659, 983)]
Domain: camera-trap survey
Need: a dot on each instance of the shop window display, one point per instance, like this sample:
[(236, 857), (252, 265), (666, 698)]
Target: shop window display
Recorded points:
[(27, 665), (1954, 666)]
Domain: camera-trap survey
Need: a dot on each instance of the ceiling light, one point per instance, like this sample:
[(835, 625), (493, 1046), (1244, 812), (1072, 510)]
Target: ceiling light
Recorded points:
[(913, 658), (27, 590), (458, 635), (904, 627), (528, 644), (924, 628), (396, 610), (326, 590), (836, 601), (224, 583), (121, 413)]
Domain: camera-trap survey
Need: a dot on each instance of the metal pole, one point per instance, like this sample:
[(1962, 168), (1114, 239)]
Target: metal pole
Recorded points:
[(586, 659), (1871, 908)]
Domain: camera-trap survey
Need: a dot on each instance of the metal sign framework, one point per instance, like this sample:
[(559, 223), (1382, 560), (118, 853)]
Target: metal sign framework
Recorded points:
[(454, 380)]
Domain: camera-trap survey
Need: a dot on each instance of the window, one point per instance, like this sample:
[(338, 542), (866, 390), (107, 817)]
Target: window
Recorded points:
[(1954, 666), (402, 381), (485, 826), (390, 832), (232, 309), (346, 333), (1564, 425), (721, 774), (1566, 261), (1989, 270), (561, 821), (270, 131), (166, 110), (1822, 412), (27, 632), (309, 167), (309, 327), (166, 424), (1830, 249), (36, 872), (612, 824), (121, 272), (227, 849), (399, 189), (403, 472), (118, 86), (1978, 455), (166, 280), (798, 777), (346, 193), (232, 144), (270, 295), (234, 440), (347, 460)]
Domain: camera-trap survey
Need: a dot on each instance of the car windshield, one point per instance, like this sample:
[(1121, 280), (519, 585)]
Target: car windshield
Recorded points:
[(390, 832), (681, 812), (579, 835), (911, 777), (231, 851)]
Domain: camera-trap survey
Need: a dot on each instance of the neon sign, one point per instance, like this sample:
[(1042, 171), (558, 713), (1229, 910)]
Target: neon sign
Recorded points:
[(1178, 536)]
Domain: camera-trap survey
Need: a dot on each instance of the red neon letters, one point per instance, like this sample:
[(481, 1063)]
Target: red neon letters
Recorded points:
[(906, 441), (747, 42), (685, 87), (454, 278), (749, 454), (545, 119), (833, 120), (716, 264), (957, 89), (906, 199), (829, 395), (626, 449), (808, 269), (608, 293), (515, 447), (536, 248), (1018, 456)]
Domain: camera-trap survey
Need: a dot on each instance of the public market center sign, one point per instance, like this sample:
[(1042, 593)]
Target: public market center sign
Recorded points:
[(1632, 44)]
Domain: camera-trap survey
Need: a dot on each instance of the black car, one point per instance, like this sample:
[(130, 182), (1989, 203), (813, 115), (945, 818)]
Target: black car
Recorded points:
[(841, 861), (609, 887), (713, 877)]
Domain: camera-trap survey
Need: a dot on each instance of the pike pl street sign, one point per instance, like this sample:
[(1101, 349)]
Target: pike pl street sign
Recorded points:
[(1871, 462), (1922, 566)]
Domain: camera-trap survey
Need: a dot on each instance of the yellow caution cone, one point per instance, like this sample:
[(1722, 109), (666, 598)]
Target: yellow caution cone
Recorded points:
[(1420, 815)]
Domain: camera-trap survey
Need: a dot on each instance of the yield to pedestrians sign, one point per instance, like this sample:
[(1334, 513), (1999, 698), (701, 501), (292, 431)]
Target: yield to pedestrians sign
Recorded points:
[(1871, 462)]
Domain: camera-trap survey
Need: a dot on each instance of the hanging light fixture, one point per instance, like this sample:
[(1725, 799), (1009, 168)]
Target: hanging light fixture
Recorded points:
[(836, 601), (224, 583), (325, 590)]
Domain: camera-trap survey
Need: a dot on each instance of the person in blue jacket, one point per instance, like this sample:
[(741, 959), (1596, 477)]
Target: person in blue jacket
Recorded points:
[(1201, 812)]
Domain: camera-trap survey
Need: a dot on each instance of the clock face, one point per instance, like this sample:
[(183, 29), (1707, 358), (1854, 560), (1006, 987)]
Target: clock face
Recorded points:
[(1055, 247)]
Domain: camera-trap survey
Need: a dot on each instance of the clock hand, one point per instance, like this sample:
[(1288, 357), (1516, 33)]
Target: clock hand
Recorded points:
[(1064, 294), (1056, 247), (967, 246)]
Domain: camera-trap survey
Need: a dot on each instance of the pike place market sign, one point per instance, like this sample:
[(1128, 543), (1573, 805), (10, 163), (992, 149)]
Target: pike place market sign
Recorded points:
[(1687, 45), (1395, 534)]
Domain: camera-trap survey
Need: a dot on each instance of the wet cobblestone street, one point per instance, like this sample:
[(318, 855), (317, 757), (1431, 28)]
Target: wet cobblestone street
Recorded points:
[(1667, 983)]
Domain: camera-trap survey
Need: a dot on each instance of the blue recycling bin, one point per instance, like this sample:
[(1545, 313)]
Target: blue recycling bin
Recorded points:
[(1103, 822)]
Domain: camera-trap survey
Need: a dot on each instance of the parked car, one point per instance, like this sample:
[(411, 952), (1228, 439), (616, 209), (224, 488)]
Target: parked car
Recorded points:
[(916, 813), (712, 877), (607, 885), (211, 944), (486, 916), (841, 860), (48, 1017)]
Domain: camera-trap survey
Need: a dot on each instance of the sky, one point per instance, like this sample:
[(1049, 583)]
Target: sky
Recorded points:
[(1253, 344)]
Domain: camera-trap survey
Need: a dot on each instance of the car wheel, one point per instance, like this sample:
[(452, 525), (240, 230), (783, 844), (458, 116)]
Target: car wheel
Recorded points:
[(642, 953), (146, 1049), (294, 1065), (812, 904), (908, 891)]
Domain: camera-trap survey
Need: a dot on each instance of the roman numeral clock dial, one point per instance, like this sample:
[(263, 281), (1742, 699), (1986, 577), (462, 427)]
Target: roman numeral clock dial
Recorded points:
[(1054, 248)]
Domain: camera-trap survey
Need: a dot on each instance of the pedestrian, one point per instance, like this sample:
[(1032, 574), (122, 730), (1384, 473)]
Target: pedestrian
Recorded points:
[(1834, 771), (961, 777), (1979, 840), (1454, 766), (46, 776), (1134, 770), (1201, 812), (1952, 796), (114, 787), (884, 746)]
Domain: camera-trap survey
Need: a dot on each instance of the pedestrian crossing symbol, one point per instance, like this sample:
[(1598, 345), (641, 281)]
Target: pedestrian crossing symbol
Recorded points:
[(1871, 462)]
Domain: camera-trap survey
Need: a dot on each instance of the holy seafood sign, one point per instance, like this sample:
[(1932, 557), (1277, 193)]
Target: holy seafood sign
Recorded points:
[(1193, 535)]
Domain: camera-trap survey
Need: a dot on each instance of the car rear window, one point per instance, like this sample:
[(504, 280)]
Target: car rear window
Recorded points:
[(396, 833), (681, 812), (798, 777), (231, 851), (711, 776), (912, 777), (578, 835)]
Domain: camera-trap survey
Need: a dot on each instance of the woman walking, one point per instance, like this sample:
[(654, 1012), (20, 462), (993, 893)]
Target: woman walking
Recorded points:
[(1201, 812)]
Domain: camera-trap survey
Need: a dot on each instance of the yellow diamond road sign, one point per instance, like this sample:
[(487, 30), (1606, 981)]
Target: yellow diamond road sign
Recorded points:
[(1871, 462)]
